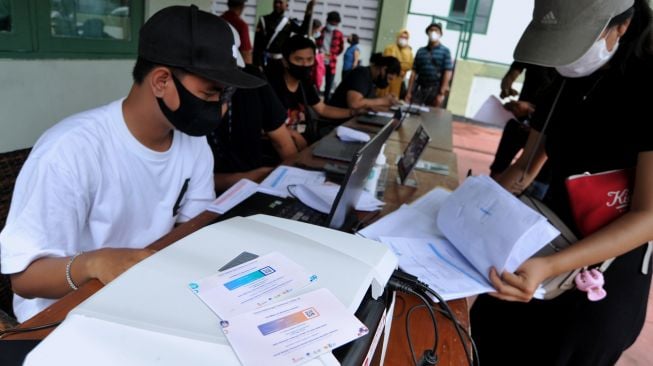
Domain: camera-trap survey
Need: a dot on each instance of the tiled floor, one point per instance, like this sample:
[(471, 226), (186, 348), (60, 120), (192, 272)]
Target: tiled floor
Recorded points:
[(475, 146)]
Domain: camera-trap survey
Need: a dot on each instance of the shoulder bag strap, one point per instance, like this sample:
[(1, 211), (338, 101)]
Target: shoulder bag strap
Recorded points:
[(280, 26)]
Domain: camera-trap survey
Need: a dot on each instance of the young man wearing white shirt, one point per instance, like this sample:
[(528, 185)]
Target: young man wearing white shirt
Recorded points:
[(101, 185)]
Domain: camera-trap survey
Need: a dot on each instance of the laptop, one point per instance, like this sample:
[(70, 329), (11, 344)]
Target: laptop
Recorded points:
[(342, 211), (413, 151), (373, 119), (331, 147)]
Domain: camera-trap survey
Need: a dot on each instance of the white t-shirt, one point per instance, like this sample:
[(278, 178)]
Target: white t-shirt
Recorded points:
[(89, 184)]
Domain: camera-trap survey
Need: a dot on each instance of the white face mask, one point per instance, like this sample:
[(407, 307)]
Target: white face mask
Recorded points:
[(402, 42), (331, 27), (317, 35), (597, 56), (434, 36)]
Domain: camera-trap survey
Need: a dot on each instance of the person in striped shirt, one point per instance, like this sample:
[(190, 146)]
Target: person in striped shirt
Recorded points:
[(432, 70)]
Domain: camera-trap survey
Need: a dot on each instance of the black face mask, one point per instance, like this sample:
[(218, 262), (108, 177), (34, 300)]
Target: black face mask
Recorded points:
[(194, 117), (301, 73), (381, 81)]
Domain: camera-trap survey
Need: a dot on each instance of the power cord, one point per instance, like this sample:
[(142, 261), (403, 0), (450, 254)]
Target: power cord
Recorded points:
[(405, 282), (429, 357), (446, 314)]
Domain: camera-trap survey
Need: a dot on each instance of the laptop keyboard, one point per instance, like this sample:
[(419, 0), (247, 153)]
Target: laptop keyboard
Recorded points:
[(299, 212), (348, 150)]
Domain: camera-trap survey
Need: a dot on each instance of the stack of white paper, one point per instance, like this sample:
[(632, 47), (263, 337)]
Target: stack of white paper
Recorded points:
[(233, 196), (491, 227), (451, 240), (277, 182), (417, 220), (320, 197)]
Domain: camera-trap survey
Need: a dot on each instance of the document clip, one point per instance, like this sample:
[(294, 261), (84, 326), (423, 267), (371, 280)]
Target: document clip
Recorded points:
[(591, 282)]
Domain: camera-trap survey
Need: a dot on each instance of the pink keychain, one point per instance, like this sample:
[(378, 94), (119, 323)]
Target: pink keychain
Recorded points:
[(591, 282)]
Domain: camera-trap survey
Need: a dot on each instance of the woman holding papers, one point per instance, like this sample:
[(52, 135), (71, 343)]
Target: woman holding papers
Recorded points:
[(600, 122)]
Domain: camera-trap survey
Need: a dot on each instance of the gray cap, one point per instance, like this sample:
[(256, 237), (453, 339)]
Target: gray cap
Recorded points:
[(562, 31)]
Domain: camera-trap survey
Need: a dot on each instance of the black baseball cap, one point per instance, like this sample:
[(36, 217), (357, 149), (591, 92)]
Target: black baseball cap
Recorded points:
[(195, 41)]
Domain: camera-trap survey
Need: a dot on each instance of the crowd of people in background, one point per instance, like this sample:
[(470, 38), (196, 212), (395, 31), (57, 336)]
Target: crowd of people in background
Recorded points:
[(299, 59)]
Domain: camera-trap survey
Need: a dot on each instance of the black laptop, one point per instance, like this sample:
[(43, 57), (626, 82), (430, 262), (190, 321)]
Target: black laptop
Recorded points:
[(414, 150), (331, 147), (342, 212), (373, 119)]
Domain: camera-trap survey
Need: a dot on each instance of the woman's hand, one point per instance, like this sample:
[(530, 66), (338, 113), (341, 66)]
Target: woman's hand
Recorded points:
[(521, 285)]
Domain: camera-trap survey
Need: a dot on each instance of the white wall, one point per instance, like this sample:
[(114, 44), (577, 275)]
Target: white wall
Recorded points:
[(508, 20), (416, 24), (36, 94)]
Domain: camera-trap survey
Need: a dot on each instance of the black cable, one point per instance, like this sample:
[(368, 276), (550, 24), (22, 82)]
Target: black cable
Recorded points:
[(406, 282), (410, 341), (467, 334), (408, 337), (455, 321), (30, 329), (430, 356)]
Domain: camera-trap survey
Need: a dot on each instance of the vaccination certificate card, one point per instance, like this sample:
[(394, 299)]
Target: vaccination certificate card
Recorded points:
[(293, 331), (250, 285)]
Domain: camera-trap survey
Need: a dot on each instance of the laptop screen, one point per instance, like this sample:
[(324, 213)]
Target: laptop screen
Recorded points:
[(359, 169), (413, 151)]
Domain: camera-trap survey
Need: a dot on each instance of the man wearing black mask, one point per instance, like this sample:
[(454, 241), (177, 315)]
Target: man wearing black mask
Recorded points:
[(101, 185), (357, 90), (297, 91)]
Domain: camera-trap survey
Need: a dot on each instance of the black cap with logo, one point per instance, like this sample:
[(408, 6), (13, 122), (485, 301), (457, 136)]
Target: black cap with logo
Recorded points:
[(196, 41)]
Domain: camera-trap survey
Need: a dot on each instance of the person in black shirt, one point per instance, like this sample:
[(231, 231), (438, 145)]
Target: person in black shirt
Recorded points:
[(297, 92), (515, 132), (357, 90), (273, 30), (600, 122), (238, 144)]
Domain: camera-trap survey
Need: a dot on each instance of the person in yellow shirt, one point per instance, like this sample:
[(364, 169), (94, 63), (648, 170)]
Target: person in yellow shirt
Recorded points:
[(404, 53)]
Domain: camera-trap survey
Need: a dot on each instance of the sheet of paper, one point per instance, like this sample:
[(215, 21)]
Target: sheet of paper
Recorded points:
[(233, 196), (437, 263), (492, 112), (412, 107), (382, 114), (252, 284), (278, 180), (491, 227), (406, 221), (293, 331), (320, 197), (429, 204)]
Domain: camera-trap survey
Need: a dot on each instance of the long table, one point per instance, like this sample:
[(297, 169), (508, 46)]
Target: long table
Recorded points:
[(450, 351)]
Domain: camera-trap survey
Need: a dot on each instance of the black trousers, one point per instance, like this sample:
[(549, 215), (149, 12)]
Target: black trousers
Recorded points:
[(569, 330), (512, 140), (328, 84)]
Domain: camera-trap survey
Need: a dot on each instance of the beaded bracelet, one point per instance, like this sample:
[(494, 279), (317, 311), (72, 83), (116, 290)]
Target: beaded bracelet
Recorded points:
[(69, 277)]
